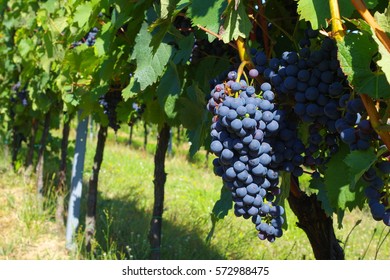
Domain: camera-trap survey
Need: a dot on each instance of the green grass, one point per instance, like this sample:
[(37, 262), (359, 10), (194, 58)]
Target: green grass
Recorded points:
[(125, 205)]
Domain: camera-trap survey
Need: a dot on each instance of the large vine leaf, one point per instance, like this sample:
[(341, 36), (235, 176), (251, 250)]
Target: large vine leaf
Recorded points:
[(149, 67), (81, 60), (191, 107), (207, 14), (236, 24), (317, 12), (220, 210), (169, 10), (183, 54), (167, 7), (337, 187), (223, 204), (285, 192), (82, 13), (168, 91), (198, 135), (322, 195), (384, 22), (314, 11), (358, 163), (355, 54)]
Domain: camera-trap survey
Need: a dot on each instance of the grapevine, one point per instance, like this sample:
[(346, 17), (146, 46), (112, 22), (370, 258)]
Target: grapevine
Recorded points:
[(291, 97), (313, 81)]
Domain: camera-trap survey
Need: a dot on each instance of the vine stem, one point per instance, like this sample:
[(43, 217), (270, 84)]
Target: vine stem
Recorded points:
[(337, 27), (366, 15), (242, 52)]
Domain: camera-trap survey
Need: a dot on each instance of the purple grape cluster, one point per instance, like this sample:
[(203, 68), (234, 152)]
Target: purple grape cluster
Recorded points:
[(255, 136), (22, 94), (313, 81), (88, 39), (243, 127), (109, 102), (378, 192)]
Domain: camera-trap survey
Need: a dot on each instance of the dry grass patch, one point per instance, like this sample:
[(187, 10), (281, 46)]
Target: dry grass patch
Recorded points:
[(25, 231)]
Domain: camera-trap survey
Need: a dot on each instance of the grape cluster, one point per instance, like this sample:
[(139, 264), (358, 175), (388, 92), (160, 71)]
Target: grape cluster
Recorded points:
[(109, 102), (255, 136), (378, 191), (355, 131), (243, 128), (313, 81), (88, 39), (22, 94)]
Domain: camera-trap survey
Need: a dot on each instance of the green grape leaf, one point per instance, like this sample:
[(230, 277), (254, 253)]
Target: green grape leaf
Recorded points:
[(355, 54), (208, 67), (358, 163), (104, 41), (25, 46), (383, 19), (168, 90), (161, 27), (336, 186), (82, 14), (220, 210), (322, 195), (170, 108), (68, 97), (285, 192), (317, 12), (198, 135), (384, 22), (314, 11), (154, 113), (48, 45), (359, 196), (123, 112), (223, 204), (81, 60), (361, 24), (191, 107), (190, 113), (50, 6), (58, 25), (183, 54), (149, 67), (207, 14), (131, 90), (167, 7), (236, 24)]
